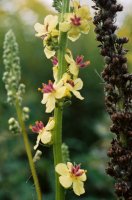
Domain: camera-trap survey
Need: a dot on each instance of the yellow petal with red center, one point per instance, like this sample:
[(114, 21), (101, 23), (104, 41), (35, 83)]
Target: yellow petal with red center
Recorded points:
[(50, 125), (62, 169), (74, 34), (37, 142), (82, 177), (78, 187), (39, 28), (50, 105), (60, 92), (78, 84), (65, 181), (64, 26), (77, 94), (45, 137), (49, 53)]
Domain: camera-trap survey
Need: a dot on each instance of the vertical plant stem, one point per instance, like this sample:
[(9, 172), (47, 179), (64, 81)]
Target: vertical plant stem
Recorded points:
[(57, 138), (28, 151)]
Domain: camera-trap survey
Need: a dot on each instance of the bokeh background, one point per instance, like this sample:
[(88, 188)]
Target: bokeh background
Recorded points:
[(86, 123)]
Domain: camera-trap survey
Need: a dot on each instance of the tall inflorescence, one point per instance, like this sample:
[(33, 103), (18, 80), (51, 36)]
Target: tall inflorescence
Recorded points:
[(71, 22), (118, 95)]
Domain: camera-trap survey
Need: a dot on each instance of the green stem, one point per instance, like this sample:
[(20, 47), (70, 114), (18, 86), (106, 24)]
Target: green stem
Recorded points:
[(58, 113), (28, 150)]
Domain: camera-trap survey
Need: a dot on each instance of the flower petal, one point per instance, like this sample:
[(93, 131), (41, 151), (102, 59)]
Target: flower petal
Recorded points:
[(65, 181), (37, 142), (84, 12), (40, 29), (78, 187), (74, 34), (82, 177), (45, 137), (69, 165), (45, 98), (84, 27), (60, 93), (51, 21), (69, 59), (50, 105), (74, 69), (62, 169), (77, 94), (49, 53), (55, 73), (64, 26), (50, 125), (78, 84)]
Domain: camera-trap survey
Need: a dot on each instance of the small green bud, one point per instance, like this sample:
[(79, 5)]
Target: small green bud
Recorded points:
[(65, 153)]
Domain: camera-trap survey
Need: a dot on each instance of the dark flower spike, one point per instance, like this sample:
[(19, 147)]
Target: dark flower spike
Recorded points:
[(118, 95)]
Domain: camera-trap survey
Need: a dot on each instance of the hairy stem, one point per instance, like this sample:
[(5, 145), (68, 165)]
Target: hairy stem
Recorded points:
[(28, 150), (60, 195)]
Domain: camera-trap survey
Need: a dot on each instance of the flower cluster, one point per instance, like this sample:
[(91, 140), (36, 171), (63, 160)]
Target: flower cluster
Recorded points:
[(56, 93)]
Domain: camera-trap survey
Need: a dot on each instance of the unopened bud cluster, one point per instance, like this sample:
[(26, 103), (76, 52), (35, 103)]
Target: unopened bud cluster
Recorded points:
[(14, 126), (12, 74), (26, 112)]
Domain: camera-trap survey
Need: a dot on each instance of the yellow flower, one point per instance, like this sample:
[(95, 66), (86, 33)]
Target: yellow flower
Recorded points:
[(73, 68), (76, 23), (71, 175), (75, 85), (48, 33), (51, 93), (75, 65), (44, 132), (49, 26)]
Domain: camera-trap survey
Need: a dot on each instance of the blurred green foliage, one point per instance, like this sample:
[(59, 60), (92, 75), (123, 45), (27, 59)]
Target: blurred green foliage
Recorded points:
[(86, 124)]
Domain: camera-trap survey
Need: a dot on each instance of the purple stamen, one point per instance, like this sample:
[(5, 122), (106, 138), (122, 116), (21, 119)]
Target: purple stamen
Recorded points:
[(76, 171), (48, 88), (76, 21), (80, 62), (37, 127)]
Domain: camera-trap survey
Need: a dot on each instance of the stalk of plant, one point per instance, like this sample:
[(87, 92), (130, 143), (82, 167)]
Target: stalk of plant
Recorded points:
[(118, 95), (15, 91), (58, 112)]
